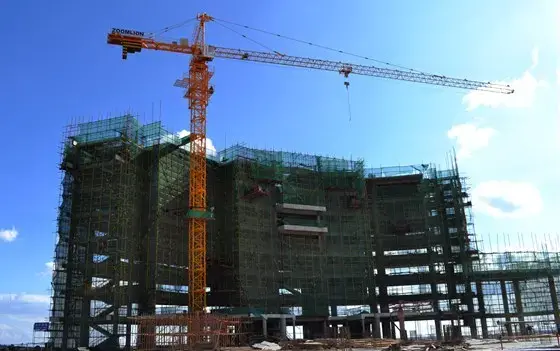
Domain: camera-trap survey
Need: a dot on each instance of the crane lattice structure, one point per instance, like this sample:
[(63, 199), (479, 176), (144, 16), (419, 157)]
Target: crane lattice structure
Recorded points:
[(198, 92)]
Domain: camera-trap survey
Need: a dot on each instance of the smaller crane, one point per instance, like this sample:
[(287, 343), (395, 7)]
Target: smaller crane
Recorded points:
[(198, 92)]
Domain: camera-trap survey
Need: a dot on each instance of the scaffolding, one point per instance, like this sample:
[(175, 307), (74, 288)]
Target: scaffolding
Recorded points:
[(121, 248), (300, 233), (320, 240), (189, 332), (423, 242), (517, 293)]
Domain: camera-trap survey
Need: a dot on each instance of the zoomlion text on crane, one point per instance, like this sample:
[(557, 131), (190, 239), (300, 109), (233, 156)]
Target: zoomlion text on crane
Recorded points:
[(127, 32)]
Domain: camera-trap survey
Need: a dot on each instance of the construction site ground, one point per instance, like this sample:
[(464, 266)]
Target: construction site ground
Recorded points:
[(541, 343)]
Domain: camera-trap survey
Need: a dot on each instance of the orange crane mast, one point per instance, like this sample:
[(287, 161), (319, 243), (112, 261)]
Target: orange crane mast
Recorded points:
[(198, 92)]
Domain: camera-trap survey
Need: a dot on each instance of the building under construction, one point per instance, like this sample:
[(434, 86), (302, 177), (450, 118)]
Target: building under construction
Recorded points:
[(299, 245)]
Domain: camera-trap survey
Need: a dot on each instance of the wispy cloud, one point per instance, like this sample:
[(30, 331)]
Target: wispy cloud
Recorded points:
[(48, 270), (18, 312), (507, 199), (525, 91), (470, 138), (25, 298), (8, 235), (534, 58), (12, 335)]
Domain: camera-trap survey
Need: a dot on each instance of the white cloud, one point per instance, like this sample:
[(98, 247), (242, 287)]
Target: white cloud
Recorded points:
[(25, 298), (8, 235), (470, 138), (18, 312), (48, 271), (210, 148), (525, 90), (12, 335), (534, 58), (523, 96), (507, 199)]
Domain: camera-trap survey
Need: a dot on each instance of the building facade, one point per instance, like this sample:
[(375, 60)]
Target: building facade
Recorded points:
[(323, 241)]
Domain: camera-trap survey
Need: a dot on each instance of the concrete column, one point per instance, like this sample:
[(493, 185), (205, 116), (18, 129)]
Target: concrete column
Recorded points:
[(482, 309), (506, 307), (470, 305), (265, 333), (283, 327), (554, 298), (519, 307), (294, 326), (437, 322), (386, 325), (377, 327), (402, 328), (363, 328)]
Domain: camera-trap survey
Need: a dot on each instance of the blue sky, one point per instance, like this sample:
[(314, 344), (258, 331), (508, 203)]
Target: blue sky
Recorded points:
[(56, 66)]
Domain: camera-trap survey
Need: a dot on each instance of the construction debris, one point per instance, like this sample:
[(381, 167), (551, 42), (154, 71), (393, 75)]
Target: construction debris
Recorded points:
[(265, 345), (330, 344)]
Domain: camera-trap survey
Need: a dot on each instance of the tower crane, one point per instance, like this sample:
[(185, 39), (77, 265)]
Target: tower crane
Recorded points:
[(198, 92)]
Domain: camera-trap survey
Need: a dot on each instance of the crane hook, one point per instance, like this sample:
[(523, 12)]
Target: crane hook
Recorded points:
[(347, 84)]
